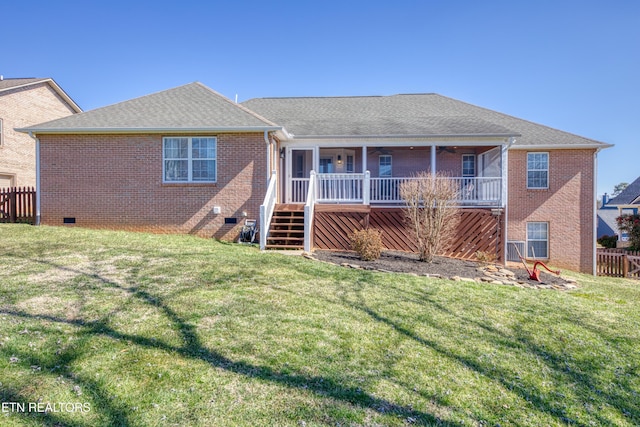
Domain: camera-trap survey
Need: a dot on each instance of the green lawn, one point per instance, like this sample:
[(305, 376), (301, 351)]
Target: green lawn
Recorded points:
[(153, 330)]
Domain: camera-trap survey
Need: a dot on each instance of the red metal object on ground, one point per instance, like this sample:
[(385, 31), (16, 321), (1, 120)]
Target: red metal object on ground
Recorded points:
[(535, 273)]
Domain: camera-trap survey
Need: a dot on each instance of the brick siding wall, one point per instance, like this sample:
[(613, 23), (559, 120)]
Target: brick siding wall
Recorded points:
[(567, 205), (24, 107), (406, 162), (115, 182)]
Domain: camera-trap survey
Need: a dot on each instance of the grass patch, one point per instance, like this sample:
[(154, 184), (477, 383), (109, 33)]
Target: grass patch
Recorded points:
[(177, 330)]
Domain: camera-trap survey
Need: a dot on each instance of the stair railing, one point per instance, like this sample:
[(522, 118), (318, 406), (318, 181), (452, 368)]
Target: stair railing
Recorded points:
[(266, 209), (309, 211)]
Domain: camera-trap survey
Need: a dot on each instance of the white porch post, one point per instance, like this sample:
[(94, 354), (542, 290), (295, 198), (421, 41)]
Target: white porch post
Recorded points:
[(364, 158), (366, 186), (433, 161)]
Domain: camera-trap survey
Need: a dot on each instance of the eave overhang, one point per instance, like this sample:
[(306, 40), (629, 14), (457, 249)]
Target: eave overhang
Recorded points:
[(121, 131)]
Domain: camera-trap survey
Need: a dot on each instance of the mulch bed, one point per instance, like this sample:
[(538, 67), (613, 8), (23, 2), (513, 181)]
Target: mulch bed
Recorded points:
[(456, 269)]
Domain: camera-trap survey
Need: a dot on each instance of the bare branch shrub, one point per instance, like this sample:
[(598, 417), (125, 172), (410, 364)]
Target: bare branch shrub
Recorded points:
[(430, 211)]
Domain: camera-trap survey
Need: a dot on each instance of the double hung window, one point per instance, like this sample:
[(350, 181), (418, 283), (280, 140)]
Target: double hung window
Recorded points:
[(189, 159), (384, 165), (537, 170), (538, 240), (468, 165)]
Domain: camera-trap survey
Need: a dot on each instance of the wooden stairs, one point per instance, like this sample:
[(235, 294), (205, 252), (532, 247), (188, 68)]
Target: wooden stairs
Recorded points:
[(286, 230)]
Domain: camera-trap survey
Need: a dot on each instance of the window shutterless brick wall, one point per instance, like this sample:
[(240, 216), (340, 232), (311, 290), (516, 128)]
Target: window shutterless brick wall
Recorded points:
[(24, 107), (567, 205), (115, 181)]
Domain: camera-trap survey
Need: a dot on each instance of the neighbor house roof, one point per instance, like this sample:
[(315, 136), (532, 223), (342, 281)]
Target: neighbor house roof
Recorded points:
[(405, 115), (7, 85), (192, 107), (607, 224), (628, 196)]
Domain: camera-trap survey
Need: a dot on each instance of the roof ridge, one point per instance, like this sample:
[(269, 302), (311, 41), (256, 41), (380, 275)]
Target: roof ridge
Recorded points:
[(238, 105), (318, 97), (341, 96)]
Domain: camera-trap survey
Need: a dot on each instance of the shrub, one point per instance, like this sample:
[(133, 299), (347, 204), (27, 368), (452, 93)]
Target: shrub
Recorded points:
[(608, 241), (367, 243), (486, 257)]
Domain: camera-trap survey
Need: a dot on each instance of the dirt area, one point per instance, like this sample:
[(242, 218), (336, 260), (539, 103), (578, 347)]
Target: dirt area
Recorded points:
[(403, 262)]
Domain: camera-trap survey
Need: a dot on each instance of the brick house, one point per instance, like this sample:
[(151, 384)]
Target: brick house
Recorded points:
[(627, 202), (188, 160), (25, 102)]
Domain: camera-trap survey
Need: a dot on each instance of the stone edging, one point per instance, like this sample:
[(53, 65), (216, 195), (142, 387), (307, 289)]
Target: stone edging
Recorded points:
[(493, 274)]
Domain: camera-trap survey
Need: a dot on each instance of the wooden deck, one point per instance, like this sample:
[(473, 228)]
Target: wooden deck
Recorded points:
[(479, 230)]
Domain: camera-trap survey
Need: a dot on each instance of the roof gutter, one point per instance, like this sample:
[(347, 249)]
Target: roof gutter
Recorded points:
[(465, 135), (96, 131), (597, 146)]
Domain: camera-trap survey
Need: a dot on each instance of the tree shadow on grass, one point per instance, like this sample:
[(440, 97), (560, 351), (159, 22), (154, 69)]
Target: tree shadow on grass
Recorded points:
[(193, 348), (86, 389), (588, 383)]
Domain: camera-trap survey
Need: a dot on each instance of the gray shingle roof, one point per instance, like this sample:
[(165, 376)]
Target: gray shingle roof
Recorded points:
[(412, 114), (628, 196), (190, 107), (607, 225)]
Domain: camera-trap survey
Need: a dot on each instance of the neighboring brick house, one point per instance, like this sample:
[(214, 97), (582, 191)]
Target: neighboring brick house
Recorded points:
[(25, 102), (188, 160)]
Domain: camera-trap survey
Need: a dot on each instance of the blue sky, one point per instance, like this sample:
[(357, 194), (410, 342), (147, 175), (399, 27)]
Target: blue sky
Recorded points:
[(571, 65)]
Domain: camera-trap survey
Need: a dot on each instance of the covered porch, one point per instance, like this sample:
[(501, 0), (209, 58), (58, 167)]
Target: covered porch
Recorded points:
[(372, 175), (334, 179)]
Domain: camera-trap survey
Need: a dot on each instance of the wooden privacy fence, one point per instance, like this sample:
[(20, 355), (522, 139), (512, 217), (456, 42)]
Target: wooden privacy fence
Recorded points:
[(618, 263), (17, 204)]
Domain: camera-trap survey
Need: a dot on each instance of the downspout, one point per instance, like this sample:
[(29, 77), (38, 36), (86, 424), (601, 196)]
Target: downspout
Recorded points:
[(37, 141), (594, 262), (268, 142), (505, 194)]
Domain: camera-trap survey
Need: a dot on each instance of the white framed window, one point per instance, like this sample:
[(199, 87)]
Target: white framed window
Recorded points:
[(537, 170), (1, 133), (384, 165), (538, 240), (468, 165), (189, 159), (349, 165), (326, 165)]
